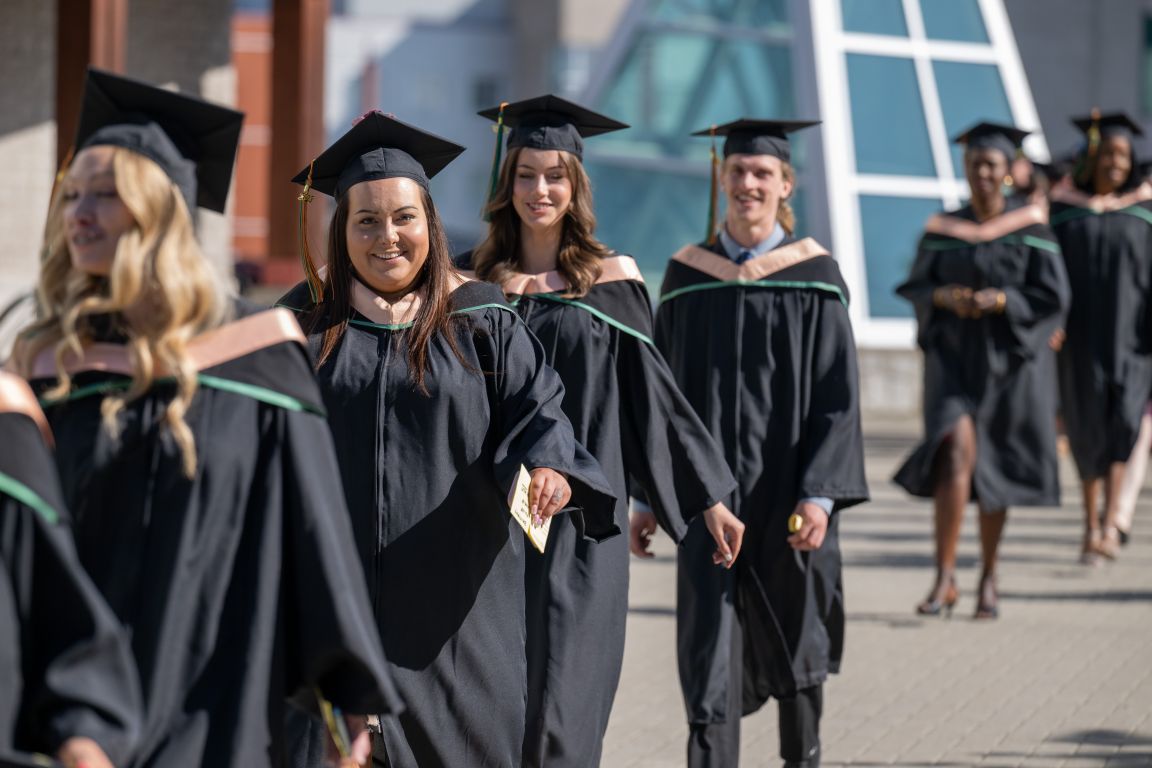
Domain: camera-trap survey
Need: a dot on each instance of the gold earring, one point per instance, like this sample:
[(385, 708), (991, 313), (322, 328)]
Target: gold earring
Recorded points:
[(1009, 181)]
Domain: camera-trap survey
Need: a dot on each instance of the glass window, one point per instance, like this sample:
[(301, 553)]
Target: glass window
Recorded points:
[(771, 14), (648, 213), (672, 84), (888, 117), (875, 17), (954, 20), (969, 93), (891, 228), (1146, 93)]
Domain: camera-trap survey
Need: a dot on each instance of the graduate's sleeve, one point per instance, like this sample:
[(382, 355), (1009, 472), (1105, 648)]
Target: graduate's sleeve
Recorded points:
[(533, 430), (79, 676), (333, 643), (919, 288), (679, 469), (832, 445), (1035, 308)]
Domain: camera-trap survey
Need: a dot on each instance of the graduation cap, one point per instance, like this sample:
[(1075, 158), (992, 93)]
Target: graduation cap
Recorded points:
[(378, 146), (747, 136), (987, 135), (1111, 124), (193, 141), (550, 122)]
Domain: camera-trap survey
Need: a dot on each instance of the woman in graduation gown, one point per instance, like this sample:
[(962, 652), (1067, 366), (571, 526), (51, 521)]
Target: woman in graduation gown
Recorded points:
[(437, 394), (67, 683), (191, 446), (588, 306), (989, 289), (1104, 224)]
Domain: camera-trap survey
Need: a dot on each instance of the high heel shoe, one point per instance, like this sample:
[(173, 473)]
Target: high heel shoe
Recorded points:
[(987, 602), (942, 598)]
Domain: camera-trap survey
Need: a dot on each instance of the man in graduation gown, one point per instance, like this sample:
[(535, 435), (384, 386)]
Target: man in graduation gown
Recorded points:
[(67, 683), (754, 325)]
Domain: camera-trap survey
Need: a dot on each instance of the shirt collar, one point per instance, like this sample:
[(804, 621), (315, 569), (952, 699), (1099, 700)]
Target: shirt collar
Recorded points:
[(733, 248)]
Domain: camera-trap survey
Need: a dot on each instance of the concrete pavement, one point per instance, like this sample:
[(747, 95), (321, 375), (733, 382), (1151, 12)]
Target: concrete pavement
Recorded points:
[(1063, 678)]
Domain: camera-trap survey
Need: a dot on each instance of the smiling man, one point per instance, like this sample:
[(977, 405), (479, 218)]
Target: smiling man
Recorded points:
[(754, 325)]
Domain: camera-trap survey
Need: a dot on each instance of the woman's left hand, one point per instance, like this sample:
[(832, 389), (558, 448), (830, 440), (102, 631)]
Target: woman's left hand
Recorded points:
[(548, 494)]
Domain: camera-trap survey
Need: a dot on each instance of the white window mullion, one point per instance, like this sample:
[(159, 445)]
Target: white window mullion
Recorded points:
[(930, 98), (1013, 76), (839, 152)]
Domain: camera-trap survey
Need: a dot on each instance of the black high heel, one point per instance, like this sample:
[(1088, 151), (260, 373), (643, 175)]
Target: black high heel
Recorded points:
[(986, 609), (942, 599)]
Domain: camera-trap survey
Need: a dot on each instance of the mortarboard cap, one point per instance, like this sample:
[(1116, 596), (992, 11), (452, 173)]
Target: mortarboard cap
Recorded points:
[(747, 136), (1006, 138), (378, 146), (192, 140), (550, 122), (1111, 124)]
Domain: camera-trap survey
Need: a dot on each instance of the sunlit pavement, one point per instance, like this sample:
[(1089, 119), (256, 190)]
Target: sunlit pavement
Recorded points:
[(1063, 678)]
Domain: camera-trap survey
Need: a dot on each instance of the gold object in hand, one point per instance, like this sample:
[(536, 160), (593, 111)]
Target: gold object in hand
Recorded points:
[(795, 523)]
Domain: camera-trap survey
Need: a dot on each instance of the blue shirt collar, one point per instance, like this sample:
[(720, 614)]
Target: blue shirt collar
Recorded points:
[(733, 248)]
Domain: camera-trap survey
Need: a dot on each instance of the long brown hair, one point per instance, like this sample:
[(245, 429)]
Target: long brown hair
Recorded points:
[(580, 252), (784, 214), (333, 311), (158, 265)]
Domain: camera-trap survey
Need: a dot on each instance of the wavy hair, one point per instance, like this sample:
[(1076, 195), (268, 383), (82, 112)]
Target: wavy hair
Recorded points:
[(158, 275), (332, 313), (580, 252)]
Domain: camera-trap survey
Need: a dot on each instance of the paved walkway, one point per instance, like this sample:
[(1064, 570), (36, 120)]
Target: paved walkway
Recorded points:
[(1064, 678)]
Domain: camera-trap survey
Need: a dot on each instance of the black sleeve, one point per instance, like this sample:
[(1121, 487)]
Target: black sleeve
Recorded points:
[(833, 444), (533, 430), (78, 672), (333, 643), (1037, 307), (669, 454)]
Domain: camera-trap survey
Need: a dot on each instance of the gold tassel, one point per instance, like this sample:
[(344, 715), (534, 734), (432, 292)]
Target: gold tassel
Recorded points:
[(1086, 164), (714, 190), (311, 275), (497, 156)]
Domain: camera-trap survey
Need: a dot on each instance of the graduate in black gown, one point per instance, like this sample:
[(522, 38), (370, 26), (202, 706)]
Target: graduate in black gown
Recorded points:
[(67, 683), (589, 308), (989, 290), (1104, 225), (754, 325), (191, 445), (437, 394)]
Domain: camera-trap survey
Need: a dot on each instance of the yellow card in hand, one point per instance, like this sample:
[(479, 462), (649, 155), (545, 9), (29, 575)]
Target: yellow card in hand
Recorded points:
[(522, 511)]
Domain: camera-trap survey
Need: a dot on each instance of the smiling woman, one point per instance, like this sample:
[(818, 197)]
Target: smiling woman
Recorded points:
[(437, 395), (387, 235)]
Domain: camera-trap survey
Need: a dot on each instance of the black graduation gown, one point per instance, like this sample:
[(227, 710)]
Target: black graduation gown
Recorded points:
[(239, 587), (427, 478), (627, 411), (65, 666), (998, 369), (765, 354), (1105, 366)]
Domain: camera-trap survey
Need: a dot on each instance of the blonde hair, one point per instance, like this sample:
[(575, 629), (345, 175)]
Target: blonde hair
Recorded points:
[(580, 252), (158, 271), (784, 214)]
